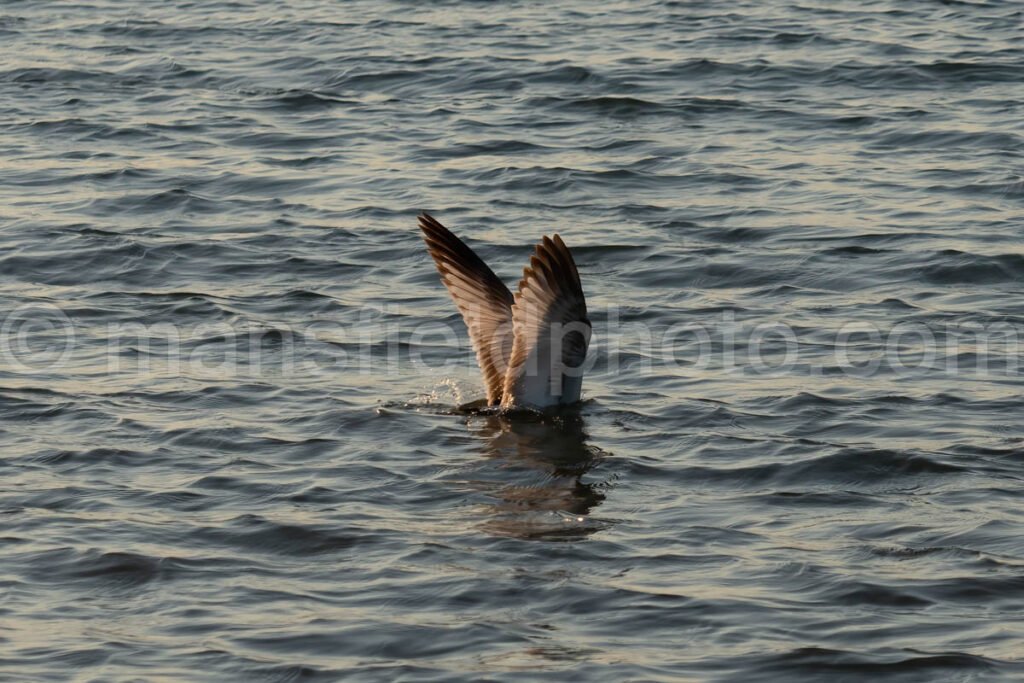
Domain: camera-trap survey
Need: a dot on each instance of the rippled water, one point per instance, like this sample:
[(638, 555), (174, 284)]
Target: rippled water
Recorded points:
[(230, 449)]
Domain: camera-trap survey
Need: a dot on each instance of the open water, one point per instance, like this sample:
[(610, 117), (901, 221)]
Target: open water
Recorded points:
[(229, 443)]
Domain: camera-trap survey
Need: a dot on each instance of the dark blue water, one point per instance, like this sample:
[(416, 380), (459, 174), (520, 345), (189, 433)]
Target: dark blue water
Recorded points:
[(229, 448)]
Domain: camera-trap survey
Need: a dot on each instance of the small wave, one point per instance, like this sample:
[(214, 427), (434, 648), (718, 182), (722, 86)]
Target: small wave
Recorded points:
[(815, 661), (492, 147), (956, 267), (305, 100), (854, 250), (874, 469), (94, 570), (605, 105), (252, 533), (951, 139), (51, 75)]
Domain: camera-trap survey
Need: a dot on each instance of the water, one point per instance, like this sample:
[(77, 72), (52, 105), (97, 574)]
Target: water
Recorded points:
[(230, 449)]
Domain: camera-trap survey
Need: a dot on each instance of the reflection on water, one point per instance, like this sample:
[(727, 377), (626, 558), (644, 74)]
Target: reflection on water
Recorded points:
[(535, 472)]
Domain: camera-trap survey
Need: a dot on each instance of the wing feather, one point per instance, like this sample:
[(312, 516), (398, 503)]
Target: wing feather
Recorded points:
[(482, 298), (551, 330)]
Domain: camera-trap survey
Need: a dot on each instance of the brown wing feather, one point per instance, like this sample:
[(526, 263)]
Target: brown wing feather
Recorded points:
[(482, 298), (549, 294)]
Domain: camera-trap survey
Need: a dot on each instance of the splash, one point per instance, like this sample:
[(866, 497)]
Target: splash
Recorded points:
[(448, 394)]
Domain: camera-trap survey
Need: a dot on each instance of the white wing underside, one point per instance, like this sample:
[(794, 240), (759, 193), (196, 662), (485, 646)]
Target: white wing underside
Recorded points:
[(530, 346)]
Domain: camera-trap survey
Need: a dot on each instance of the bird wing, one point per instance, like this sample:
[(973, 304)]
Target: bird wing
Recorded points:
[(551, 330), (483, 300)]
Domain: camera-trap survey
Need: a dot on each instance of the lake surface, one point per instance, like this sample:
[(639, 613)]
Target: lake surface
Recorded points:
[(229, 442)]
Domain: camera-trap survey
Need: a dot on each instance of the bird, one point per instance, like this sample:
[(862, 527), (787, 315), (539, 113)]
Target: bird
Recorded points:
[(531, 346)]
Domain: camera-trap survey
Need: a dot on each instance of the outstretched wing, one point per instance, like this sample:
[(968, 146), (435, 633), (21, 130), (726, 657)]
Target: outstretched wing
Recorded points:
[(552, 332), (483, 300)]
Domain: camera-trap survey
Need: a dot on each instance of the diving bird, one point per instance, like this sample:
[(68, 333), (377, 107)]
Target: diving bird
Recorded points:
[(530, 346)]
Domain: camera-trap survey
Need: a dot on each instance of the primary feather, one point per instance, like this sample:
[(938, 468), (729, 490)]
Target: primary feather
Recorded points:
[(482, 298)]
